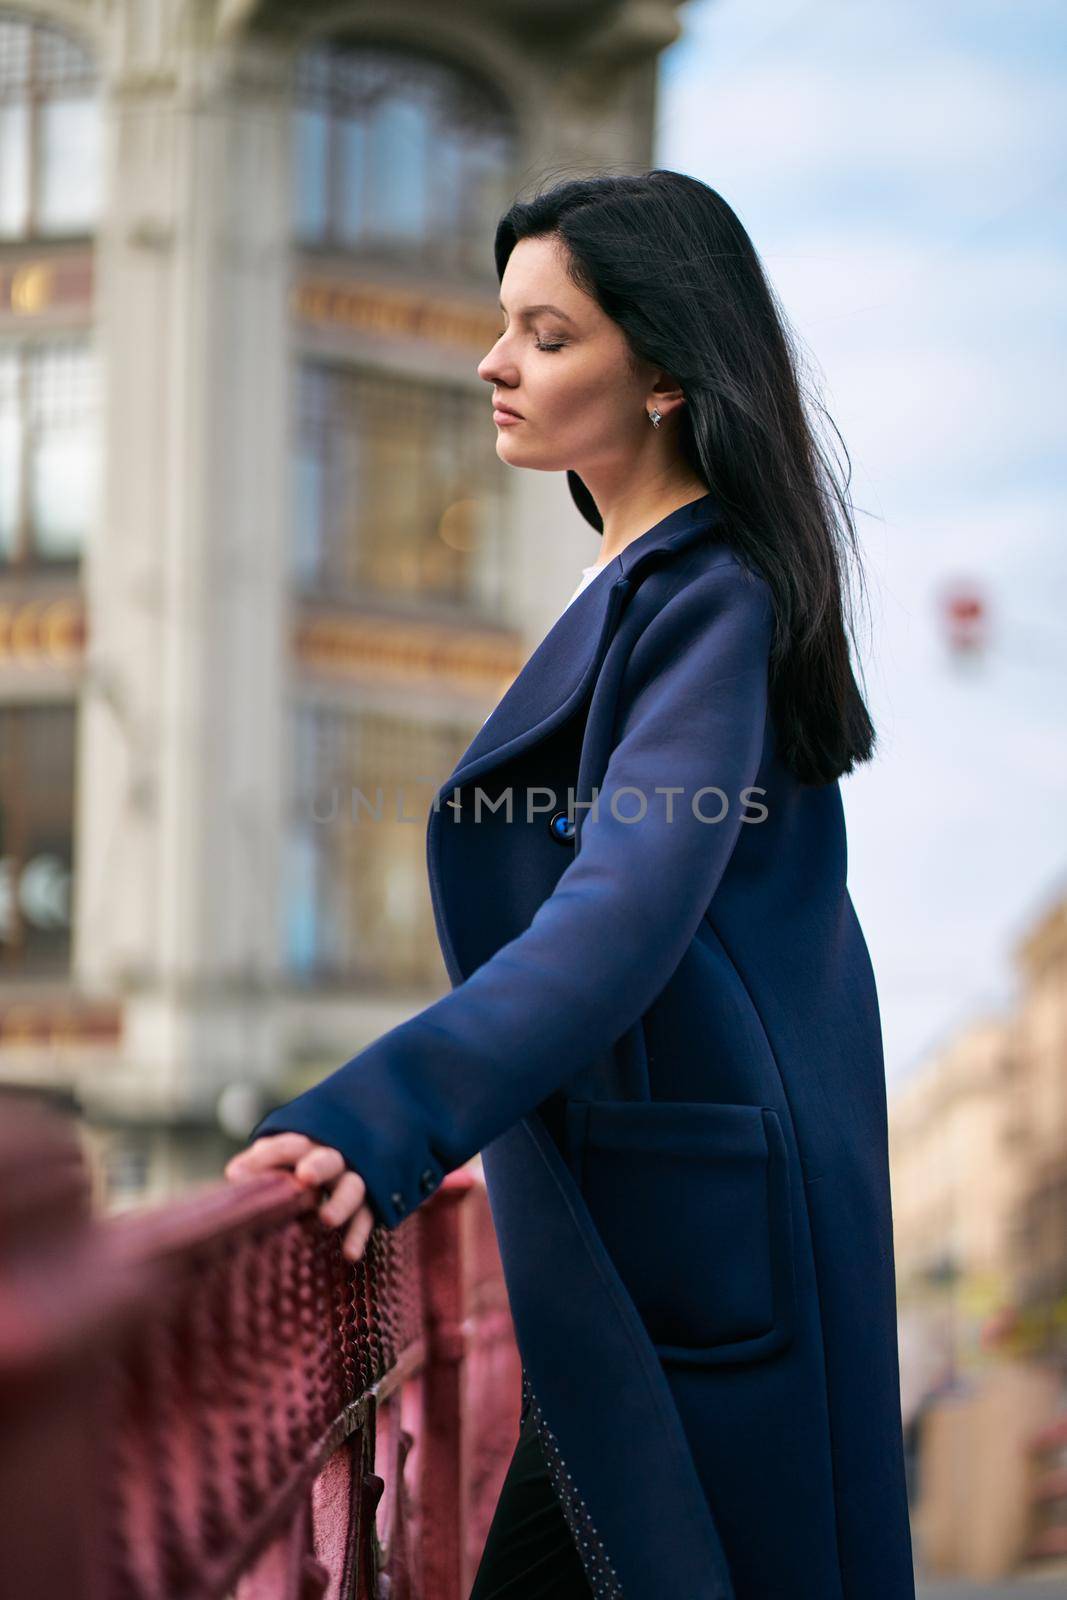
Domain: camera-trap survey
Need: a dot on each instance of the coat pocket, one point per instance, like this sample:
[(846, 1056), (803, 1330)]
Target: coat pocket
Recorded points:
[(692, 1201)]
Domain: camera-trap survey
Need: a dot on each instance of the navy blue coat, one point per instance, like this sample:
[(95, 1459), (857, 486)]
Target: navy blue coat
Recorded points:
[(663, 1035)]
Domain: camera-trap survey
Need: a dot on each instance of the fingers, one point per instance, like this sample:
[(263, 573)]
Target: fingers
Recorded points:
[(271, 1150), (313, 1164), (348, 1195), (348, 1200), (355, 1239), (320, 1163)]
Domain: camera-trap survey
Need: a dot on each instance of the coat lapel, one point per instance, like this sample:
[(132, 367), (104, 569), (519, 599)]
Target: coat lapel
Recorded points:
[(561, 670)]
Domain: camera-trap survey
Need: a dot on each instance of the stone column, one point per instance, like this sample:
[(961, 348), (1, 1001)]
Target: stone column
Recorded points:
[(182, 735)]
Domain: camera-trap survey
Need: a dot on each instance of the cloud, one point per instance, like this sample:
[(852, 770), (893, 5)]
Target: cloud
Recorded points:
[(900, 172), (864, 114)]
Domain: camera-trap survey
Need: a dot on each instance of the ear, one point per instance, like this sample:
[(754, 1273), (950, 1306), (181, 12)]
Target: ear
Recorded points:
[(666, 393)]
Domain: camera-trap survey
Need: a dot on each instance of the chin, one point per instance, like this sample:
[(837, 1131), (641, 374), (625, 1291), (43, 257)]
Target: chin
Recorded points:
[(516, 456)]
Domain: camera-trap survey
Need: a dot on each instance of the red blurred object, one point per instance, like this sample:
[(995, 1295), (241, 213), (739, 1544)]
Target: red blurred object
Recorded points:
[(1000, 1328), (206, 1398), (966, 615)]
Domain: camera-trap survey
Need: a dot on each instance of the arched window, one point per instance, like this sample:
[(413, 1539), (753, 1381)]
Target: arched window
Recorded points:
[(50, 124), (398, 492), (399, 154), (49, 454), (357, 913), (37, 765)]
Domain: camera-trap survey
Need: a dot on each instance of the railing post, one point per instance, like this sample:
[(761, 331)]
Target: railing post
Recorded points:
[(60, 1307), (472, 1386), (442, 1439)]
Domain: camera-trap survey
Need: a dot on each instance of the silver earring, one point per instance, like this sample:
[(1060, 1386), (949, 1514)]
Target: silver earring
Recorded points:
[(655, 416)]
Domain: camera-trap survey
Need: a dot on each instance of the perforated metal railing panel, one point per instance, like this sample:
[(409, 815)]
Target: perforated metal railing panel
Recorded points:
[(206, 1398)]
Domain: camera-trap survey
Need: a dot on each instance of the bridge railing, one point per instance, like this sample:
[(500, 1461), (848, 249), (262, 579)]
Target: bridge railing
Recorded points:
[(205, 1398)]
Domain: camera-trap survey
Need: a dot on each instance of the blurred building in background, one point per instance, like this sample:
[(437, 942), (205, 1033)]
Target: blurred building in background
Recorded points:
[(978, 1145), (257, 553), (978, 1151), (955, 1169)]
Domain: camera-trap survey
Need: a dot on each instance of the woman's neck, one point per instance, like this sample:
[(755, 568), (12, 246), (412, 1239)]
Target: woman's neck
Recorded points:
[(630, 514)]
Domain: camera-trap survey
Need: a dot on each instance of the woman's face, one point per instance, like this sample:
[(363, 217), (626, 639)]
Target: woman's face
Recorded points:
[(567, 371)]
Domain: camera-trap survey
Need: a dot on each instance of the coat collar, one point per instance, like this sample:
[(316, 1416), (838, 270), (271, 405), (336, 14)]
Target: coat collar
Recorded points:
[(558, 674)]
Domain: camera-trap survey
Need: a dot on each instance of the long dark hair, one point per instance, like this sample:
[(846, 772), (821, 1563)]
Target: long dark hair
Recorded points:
[(669, 261)]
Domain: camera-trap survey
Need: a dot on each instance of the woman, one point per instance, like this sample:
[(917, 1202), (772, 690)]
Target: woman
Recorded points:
[(664, 1036)]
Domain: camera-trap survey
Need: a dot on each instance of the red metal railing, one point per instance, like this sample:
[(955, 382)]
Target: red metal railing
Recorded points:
[(206, 1399)]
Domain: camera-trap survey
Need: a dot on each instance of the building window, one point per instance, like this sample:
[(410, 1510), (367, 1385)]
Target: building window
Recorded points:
[(36, 833), (399, 154), (399, 492), (49, 456), (50, 132), (357, 903)]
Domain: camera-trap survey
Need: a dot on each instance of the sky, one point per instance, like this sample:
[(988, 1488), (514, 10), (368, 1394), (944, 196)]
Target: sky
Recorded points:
[(902, 173)]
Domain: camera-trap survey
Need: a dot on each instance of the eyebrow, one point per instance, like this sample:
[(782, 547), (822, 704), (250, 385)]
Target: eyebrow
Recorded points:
[(532, 311)]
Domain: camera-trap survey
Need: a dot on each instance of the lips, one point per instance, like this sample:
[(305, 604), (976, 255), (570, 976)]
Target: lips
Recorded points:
[(497, 406)]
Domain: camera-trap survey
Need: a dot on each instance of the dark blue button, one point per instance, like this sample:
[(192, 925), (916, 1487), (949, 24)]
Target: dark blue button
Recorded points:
[(561, 827)]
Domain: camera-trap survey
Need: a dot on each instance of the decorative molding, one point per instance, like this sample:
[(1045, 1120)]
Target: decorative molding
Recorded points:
[(391, 650), (33, 632), (59, 1021), (39, 285), (393, 313)]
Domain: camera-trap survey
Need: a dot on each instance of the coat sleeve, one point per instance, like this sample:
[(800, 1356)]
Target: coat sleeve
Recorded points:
[(433, 1091)]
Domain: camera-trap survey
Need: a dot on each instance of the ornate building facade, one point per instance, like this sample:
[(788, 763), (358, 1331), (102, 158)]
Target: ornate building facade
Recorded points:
[(262, 574)]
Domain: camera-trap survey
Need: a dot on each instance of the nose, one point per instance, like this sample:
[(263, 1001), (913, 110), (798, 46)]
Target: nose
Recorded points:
[(496, 368)]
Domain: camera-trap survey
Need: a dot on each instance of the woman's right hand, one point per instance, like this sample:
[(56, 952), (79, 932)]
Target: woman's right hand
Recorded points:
[(316, 1166)]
